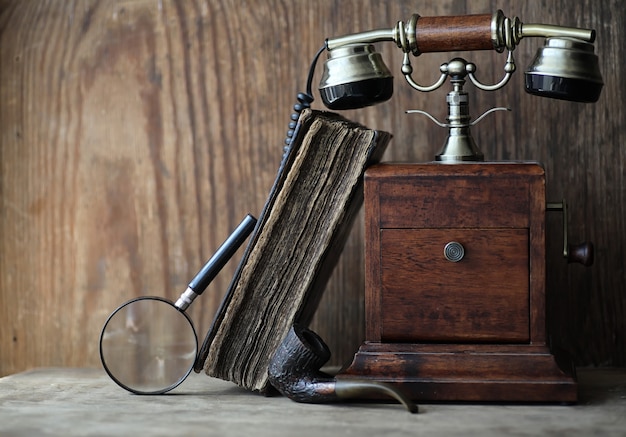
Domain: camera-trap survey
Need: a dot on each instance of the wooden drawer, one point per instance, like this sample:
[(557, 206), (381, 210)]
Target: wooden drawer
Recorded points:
[(484, 297)]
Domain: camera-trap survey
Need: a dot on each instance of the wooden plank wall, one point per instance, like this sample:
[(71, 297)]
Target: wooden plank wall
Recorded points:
[(136, 134)]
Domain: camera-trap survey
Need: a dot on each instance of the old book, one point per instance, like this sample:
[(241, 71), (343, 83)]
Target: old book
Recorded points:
[(299, 236)]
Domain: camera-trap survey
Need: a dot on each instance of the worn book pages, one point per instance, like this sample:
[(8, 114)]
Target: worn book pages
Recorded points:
[(299, 237)]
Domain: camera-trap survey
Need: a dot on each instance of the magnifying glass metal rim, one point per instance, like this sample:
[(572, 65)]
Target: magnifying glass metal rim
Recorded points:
[(195, 288), (127, 387)]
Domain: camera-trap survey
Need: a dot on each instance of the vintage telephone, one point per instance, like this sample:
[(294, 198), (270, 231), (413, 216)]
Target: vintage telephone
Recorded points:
[(455, 254)]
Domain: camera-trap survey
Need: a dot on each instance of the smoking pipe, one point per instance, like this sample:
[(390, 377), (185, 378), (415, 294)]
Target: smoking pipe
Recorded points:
[(295, 372)]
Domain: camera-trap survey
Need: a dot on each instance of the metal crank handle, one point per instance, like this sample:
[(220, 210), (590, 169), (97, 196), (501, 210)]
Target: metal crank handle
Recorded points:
[(582, 253)]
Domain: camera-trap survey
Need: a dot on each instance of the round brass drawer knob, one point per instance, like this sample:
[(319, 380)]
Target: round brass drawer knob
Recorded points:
[(454, 252)]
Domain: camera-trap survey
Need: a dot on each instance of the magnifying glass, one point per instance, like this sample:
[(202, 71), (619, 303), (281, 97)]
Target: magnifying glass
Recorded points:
[(149, 344)]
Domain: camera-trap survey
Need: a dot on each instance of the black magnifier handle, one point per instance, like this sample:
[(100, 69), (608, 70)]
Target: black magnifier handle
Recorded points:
[(213, 266)]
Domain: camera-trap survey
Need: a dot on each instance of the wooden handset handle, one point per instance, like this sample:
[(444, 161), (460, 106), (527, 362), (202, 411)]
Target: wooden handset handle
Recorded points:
[(446, 34), (459, 33)]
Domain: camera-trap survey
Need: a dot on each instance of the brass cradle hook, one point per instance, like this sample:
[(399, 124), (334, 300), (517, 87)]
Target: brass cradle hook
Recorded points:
[(459, 145)]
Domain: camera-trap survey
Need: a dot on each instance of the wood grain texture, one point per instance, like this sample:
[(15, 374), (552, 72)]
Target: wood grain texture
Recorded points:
[(460, 372), (135, 135), (436, 34), (502, 203), (426, 298), (495, 293)]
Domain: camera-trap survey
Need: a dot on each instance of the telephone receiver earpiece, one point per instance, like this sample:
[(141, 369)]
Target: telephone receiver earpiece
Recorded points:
[(566, 69), (355, 76)]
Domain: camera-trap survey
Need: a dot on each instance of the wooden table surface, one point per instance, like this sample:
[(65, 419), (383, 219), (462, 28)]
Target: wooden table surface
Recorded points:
[(72, 402)]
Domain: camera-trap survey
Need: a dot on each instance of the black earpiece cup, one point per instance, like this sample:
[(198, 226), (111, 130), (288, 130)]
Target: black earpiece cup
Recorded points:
[(563, 88), (359, 94)]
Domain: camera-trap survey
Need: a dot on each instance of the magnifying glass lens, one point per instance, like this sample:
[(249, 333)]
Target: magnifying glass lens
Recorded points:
[(148, 346)]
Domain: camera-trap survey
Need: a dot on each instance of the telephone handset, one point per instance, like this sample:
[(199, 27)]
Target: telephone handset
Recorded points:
[(565, 68), (355, 76)]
